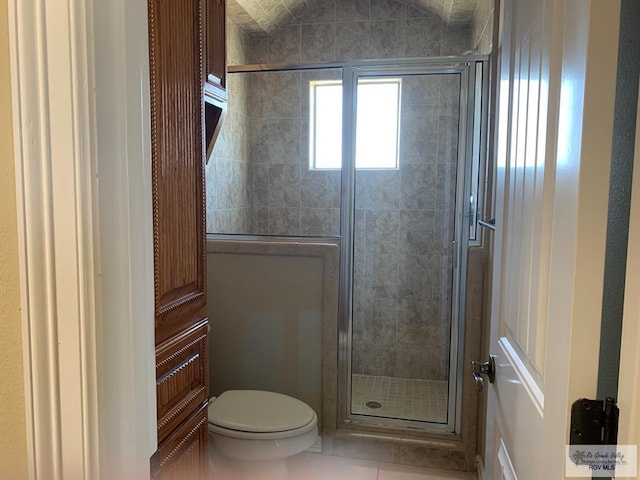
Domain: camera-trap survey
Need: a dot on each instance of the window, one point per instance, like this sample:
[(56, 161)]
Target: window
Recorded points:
[(377, 124)]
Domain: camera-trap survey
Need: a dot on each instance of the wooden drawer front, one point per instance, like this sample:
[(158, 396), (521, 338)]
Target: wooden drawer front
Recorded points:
[(183, 455), (181, 375)]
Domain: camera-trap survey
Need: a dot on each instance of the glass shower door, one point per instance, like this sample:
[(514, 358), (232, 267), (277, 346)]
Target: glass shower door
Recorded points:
[(404, 289)]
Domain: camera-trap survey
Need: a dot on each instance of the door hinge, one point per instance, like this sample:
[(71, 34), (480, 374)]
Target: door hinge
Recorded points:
[(594, 422)]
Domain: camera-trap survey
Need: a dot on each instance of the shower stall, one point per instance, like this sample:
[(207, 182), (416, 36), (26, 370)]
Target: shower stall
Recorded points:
[(384, 158)]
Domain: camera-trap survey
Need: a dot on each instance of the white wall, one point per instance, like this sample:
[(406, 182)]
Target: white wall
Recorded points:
[(13, 443)]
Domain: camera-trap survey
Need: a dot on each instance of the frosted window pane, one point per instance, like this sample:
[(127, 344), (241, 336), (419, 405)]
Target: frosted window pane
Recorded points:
[(377, 125), (328, 126)]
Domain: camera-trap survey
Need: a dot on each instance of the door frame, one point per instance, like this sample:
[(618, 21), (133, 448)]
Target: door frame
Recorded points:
[(629, 379), (80, 92)]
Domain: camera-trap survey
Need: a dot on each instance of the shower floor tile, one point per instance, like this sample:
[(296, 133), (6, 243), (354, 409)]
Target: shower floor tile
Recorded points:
[(404, 398)]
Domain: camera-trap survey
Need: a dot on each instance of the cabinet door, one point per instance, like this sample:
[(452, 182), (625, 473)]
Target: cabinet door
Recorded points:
[(176, 34), (216, 43), (177, 65)]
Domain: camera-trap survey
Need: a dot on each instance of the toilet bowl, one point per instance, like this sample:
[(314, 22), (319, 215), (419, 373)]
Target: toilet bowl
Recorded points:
[(259, 426)]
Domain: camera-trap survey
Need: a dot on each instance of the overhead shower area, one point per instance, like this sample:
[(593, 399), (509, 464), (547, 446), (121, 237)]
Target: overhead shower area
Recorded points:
[(357, 124)]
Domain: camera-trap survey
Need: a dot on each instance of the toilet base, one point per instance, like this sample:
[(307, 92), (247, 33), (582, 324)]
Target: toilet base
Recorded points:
[(261, 450)]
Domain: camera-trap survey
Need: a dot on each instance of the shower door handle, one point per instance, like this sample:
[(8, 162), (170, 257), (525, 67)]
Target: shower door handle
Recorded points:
[(486, 368), (490, 224)]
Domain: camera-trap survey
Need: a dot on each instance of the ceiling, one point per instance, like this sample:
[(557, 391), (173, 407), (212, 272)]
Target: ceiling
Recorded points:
[(259, 18)]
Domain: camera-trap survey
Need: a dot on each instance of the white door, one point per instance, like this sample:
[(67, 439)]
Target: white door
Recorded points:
[(555, 121)]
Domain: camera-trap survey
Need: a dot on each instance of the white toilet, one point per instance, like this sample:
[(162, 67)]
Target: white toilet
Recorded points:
[(258, 430)]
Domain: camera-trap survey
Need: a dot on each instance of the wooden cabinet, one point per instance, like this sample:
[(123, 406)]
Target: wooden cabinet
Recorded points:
[(183, 454), (178, 53), (216, 55), (176, 37), (181, 377), (215, 85)]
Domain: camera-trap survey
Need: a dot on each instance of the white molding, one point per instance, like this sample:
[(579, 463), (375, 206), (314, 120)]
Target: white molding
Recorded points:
[(53, 149), (85, 252), (515, 357), (506, 465)]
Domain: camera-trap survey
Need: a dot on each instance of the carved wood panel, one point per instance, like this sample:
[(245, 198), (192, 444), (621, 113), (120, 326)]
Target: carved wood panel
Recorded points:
[(176, 48)]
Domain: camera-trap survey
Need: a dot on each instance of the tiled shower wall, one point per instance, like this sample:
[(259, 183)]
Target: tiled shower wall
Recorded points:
[(228, 169), (482, 26), (259, 181), (288, 198), (403, 251), (361, 29), (253, 185)]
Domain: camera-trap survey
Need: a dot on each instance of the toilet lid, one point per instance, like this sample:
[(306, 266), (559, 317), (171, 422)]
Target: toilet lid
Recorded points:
[(259, 411)]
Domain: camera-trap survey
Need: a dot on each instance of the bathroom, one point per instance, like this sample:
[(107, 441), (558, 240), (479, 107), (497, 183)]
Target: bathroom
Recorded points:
[(363, 267)]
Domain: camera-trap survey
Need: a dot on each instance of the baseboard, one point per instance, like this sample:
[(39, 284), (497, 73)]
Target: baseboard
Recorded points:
[(479, 467), (316, 447)]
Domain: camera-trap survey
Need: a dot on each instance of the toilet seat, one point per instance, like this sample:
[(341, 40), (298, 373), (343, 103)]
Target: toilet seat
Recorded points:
[(251, 414)]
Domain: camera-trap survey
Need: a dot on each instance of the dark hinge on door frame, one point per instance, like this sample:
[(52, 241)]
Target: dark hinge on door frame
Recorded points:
[(594, 422)]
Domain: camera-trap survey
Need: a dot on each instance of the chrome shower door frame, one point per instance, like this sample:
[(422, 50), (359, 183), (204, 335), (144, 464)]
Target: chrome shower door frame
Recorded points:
[(466, 68)]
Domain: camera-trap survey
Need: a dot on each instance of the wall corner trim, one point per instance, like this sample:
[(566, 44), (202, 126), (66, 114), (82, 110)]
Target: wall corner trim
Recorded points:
[(54, 183)]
